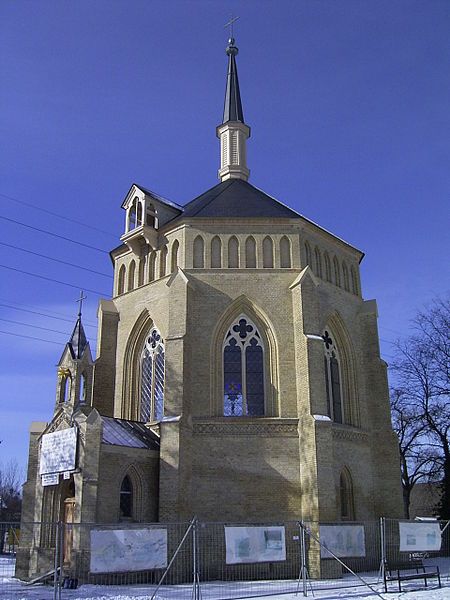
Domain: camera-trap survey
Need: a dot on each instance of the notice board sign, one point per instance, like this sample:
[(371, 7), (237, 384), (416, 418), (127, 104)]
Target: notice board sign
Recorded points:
[(58, 451)]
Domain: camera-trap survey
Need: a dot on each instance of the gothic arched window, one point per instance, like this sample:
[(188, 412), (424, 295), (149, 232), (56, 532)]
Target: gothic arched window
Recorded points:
[(141, 272), (152, 266), (121, 281), (354, 280), (82, 392), (345, 276), (333, 379), (174, 257), (243, 370), (337, 272), (346, 496), (126, 498), (131, 274), (308, 254), (318, 258), (233, 253), (285, 253), (152, 377), (163, 261), (199, 253), (250, 253), (327, 266), (267, 253), (216, 253)]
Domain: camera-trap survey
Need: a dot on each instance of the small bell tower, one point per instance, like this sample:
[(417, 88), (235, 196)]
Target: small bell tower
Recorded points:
[(75, 369)]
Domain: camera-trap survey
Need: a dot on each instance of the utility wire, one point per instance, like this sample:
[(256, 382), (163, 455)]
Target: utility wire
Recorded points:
[(61, 237), (29, 337), (35, 312), (77, 287), (35, 326), (49, 212), (63, 262)]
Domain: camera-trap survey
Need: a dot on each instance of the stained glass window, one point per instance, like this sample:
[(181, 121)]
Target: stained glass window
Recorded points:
[(243, 370), (152, 378), (332, 379)]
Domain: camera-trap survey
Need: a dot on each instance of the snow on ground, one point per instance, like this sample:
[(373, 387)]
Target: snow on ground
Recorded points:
[(12, 589)]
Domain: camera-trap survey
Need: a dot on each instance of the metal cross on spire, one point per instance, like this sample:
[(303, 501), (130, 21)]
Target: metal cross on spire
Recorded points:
[(230, 25), (80, 300)]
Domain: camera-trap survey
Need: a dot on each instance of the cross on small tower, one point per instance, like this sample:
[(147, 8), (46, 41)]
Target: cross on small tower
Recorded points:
[(230, 25), (80, 300)]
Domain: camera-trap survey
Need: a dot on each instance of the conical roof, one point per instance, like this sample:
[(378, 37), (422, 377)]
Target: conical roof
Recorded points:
[(233, 106), (78, 341)]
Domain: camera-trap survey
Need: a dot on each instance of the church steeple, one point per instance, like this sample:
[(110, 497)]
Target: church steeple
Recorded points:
[(78, 341), (233, 132)]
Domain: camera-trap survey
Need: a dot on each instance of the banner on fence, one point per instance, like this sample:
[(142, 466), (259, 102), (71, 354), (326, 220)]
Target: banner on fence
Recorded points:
[(58, 451), (343, 540), (122, 550), (420, 537), (255, 544)]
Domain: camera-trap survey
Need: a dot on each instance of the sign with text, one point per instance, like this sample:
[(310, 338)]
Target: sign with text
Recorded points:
[(420, 537), (58, 451), (254, 544), (120, 550)]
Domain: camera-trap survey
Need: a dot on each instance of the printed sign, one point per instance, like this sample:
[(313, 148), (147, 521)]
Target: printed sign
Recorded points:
[(119, 550), (50, 479), (58, 451), (342, 540), (420, 537), (254, 544)]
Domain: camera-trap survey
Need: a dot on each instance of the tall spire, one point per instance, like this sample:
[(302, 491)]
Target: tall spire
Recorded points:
[(233, 107), (233, 132)]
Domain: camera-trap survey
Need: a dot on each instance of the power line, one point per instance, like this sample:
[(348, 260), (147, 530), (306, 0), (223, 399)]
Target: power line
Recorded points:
[(49, 212), (61, 237), (29, 337), (35, 326), (77, 287), (34, 312), (63, 262)]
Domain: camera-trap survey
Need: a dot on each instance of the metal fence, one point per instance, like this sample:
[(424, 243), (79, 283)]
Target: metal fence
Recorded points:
[(59, 557)]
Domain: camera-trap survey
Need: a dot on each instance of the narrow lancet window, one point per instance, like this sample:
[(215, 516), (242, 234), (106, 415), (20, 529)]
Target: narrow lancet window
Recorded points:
[(126, 498), (152, 378), (243, 370), (332, 379)]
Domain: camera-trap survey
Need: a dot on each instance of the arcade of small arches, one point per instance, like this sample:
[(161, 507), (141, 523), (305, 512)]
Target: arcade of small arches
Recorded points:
[(261, 252), (65, 386), (331, 269)]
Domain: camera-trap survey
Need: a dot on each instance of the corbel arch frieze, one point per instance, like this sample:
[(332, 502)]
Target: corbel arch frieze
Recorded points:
[(246, 306)]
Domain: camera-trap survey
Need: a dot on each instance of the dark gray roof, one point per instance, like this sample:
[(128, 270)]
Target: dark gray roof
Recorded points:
[(232, 110), (78, 341), (236, 198), (120, 432)]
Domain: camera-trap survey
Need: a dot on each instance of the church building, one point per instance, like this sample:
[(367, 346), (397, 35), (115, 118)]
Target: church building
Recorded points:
[(237, 375)]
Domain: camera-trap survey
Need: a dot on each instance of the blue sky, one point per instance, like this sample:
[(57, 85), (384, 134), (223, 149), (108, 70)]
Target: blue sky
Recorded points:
[(348, 102)]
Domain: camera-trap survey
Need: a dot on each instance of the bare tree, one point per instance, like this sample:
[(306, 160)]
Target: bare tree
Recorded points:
[(421, 403), (10, 491)]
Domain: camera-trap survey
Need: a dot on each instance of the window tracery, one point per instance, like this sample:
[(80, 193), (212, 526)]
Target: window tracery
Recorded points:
[(243, 370), (152, 377), (333, 379)]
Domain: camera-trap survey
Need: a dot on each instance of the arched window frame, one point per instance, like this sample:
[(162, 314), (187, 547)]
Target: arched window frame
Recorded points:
[(285, 253), (121, 280), (308, 254), (337, 272), (126, 499), (346, 496), (268, 260), (345, 277), (65, 385), (250, 253), (241, 334), (152, 266), (233, 253), (152, 377), (82, 390), (354, 279), (131, 276), (199, 253), (174, 256), (318, 258), (163, 261), (216, 252), (334, 389), (141, 271), (327, 266)]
